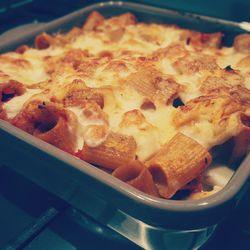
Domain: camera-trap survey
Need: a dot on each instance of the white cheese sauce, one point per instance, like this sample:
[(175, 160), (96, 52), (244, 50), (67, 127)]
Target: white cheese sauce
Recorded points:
[(13, 106), (84, 129)]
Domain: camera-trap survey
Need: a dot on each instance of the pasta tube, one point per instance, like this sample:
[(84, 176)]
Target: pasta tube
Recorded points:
[(117, 149), (77, 94), (154, 85), (137, 175), (178, 162), (50, 123), (93, 21), (242, 43)]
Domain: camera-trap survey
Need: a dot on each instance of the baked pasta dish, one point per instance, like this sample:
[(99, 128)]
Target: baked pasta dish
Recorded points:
[(152, 104)]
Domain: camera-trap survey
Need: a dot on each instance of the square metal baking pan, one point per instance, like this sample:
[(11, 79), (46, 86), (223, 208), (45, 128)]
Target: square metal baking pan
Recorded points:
[(149, 222)]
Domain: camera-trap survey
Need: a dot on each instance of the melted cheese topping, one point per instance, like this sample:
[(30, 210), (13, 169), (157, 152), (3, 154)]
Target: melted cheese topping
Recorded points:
[(112, 55), (14, 106), (217, 175), (229, 57), (84, 129)]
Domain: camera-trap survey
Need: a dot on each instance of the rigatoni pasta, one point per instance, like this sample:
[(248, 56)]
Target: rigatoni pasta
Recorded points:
[(137, 175), (177, 163), (146, 102), (116, 149), (49, 122)]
